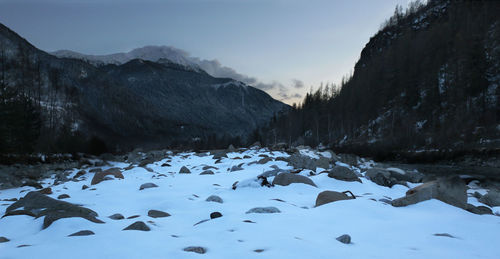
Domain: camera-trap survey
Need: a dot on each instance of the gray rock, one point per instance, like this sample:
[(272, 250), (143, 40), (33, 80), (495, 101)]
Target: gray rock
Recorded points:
[(158, 214), (451, 190), (37, 205), (207, 167), (285, 179), (236, 168), (492, 198), (207, 172), (184, 170), (444, 235), (346, 239), (408, 176), (215, 215), (100, 176), (480, 210), (264, 210), (4, 240), (349, 159), (147, 185), (195, 249), (381, 177), (63, 196), (331, 196), (138, 225), (117, 216), (214, 198), (298, 160), (82, 233), (343, 173)]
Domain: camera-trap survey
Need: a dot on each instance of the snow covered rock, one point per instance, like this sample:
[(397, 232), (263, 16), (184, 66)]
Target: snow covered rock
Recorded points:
[(285, 179), (82, 233), (331, 196), (138, 225), (401, 175), (451, 190), (343, 173), (264, 210), (214, 198), (100, 176), (299, 160), (37, 205), (158, 214), (184, 170), (492, 198), (147, 185)]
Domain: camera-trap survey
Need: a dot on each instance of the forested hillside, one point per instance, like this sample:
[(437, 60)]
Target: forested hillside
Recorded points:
[(428, 80)]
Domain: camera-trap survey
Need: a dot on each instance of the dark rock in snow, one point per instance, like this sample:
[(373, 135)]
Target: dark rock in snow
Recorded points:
[(82, 233), (381, 177), (4, 239), (332, 196), (84, 187), (346, 239), (184, 170), (343, 174), (147, 185), (195, 249), (264, 210), (100, 176), (451, 190), (207, 172), (236, 168), (214, 198), (47, 190), (215, 215), (158, 214), (138, 225), (117, 216), (207, 167), (444, 235), (63, 196), (133, 216), (298, 160), (285, 179), (38, 205)]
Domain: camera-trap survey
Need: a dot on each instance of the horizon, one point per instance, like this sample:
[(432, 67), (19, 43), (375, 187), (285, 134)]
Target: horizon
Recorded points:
[(293, 46)]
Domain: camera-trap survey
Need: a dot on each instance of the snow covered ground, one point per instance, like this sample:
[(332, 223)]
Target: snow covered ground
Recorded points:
[(378, 230)]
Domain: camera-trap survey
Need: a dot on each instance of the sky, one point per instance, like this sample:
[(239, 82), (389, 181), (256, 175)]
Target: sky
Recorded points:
[(287, 46)]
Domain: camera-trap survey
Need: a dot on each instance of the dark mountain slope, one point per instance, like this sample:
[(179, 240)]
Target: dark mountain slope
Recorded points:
[(428, 80), (138, 103)]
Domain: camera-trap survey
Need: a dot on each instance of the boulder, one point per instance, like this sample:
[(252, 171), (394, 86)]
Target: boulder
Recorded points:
[(63, 196), (116, 216), (480, 210), (147, 185), (207, 172), (236, 168), (346, 239), (218, 154), (82, 233), (215, 215), (492, 198), (297, 160), (381, 177), (138, 225), (100, 176), (208, 167), (285, 179), (195, 249), (406, 176), (214, 198), (264, 210), (184, 170), (332, 196), (451, 190), (158, 214), (4, 240), (343, 173), (37, 205)]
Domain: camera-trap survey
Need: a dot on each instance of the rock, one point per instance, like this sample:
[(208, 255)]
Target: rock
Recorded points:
[(82, 233), (332, 196), (214, 198), (215, 215), (84, 187), (381, 177), (147, 185), (259, 250), (346, 239), (80, 173), (451, 190), (165, 165), (63, 196), (492, 198), (401, 175), (133, 216), (138, 225), (236, 168), (95, 170), (264, 210), (158, 214), (32, 183), (444, 235), (146, 162), (231, 148), (207, 167), (218, 154), (38, 205), (480, 210), (298, 160), (264, 160), (4, 240), (195, 249), (349, 159), (343, 173), (207, 172), (47, 190), (100, 176), (285, 179), (117, 216), (184, 170)]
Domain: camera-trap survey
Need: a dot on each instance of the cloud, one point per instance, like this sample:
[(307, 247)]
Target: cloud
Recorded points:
[(296, 83)]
